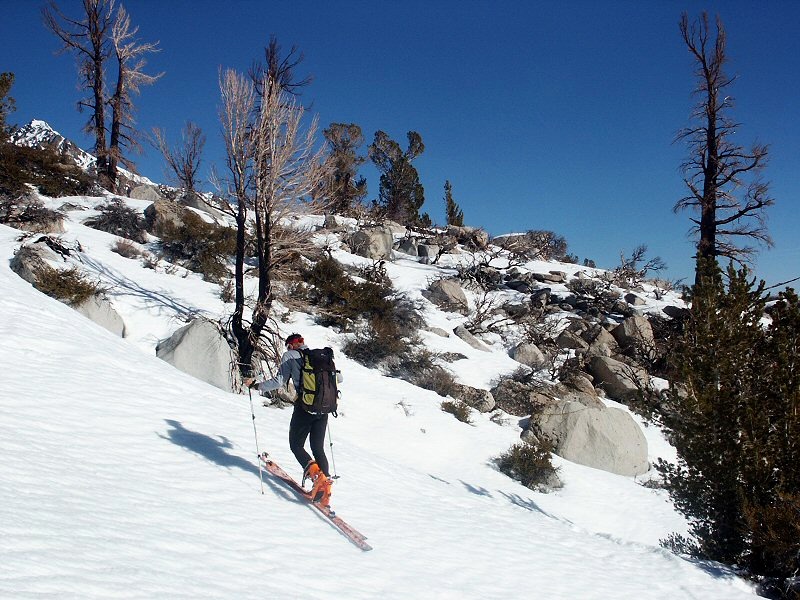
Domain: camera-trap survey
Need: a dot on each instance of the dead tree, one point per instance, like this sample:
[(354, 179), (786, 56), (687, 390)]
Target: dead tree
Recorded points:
[(273, 168), (723, 178), (88, 39), (105, 30), (7, 104), (130, 78), (184, 160), (238, 98), (279, 70)]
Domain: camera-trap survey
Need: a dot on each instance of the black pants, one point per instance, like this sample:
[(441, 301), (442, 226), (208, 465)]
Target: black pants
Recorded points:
[(304, 423)]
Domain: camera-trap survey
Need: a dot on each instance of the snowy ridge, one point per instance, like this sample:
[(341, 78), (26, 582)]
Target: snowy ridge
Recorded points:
[(125, 478), (39, 134)]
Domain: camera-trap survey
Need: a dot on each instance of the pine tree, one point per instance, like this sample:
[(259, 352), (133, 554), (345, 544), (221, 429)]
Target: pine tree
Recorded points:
[(343, 187), (736, 426), (455, 216), (6, 103), (401, 194)]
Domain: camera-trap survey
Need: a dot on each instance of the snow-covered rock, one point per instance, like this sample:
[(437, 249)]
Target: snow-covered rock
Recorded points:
[(201, 350), (602, 438), (98, 308), (617, 378), (447, 294)]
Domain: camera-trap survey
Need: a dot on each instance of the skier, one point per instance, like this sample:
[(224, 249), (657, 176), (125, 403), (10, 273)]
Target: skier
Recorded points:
[(303, 423)]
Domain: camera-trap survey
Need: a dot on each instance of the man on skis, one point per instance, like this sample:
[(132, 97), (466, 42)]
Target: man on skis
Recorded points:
[(304, 423)]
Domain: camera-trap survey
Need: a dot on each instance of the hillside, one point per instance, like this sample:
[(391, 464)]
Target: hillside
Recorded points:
[(126, 478)]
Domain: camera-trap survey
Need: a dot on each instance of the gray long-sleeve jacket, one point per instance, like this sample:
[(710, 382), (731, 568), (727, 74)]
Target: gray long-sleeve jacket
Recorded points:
[(291, 368)]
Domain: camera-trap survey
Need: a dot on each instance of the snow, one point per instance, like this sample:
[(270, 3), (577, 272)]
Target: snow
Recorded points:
[(125, 478), (38, 133)]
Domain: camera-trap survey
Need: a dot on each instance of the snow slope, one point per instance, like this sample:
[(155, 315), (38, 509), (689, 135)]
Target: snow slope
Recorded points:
[(124, 478)]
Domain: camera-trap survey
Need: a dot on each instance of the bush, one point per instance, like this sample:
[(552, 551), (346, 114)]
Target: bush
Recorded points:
[(459, 410), (517, 397), (633, 270), (51, 173), (227, 292), (437, 379), (595, 292), (27, 212), (536, 245), (199, 246), (69, 286), (344, 302), (529, 464), (118, 218), (127, 249), (373, 345)]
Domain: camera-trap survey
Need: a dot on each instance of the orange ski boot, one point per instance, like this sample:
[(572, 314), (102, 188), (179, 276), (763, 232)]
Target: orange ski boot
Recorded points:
[(321, 492), (311, 472)]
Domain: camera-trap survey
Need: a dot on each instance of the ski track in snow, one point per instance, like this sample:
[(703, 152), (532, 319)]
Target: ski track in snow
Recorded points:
[(125, 478)]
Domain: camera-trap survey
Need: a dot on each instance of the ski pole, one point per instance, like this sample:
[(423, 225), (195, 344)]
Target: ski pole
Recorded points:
[(330, 441), (255, 433)]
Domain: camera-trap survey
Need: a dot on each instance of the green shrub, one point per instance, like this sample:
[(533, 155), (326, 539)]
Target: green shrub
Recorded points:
[(344, 302), (199, 246), (69, 286), (118, 218), (459, 410), (529, 464)]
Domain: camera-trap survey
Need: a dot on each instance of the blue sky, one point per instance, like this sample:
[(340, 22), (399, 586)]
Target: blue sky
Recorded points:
[(543, 115)]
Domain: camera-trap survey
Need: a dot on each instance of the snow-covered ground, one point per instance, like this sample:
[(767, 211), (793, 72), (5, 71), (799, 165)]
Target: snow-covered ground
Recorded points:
[(122, 477)]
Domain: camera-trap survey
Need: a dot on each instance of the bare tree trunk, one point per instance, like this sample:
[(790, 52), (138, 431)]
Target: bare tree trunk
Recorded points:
[(87, 38), (236, 110), (130, 78), (730, 208), (183, 161)]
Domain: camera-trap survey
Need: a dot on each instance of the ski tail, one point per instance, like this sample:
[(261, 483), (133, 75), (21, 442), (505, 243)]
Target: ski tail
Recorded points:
[(358, 539)]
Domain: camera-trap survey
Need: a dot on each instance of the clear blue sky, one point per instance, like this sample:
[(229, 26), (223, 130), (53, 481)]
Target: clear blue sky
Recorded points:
[(543, 115)]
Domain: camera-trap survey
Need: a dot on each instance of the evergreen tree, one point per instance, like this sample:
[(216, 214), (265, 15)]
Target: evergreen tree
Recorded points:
[(735, 425), (455, 216), (401, 194), (6, 103), (343, 187)]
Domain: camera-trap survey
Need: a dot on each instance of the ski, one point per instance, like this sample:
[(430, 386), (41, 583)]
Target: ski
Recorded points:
[(276, 471)]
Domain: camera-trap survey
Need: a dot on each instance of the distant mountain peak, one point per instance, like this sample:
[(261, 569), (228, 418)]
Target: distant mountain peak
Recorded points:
[(39, 134)]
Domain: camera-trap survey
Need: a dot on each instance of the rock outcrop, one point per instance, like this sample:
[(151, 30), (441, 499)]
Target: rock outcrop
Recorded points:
[(201, 350)]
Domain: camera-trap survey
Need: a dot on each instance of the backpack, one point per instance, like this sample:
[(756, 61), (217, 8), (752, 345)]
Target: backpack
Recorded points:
[(318, 391)]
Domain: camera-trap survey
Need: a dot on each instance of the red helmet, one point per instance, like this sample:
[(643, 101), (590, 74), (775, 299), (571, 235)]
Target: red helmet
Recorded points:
[(294, 338)]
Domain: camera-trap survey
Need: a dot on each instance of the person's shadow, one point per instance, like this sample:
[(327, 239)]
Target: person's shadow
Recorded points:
[(212, 449)]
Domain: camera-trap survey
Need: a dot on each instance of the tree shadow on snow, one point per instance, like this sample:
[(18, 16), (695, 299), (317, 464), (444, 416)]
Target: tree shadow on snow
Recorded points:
[(124, 286), (477, 490), (527, 504)]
